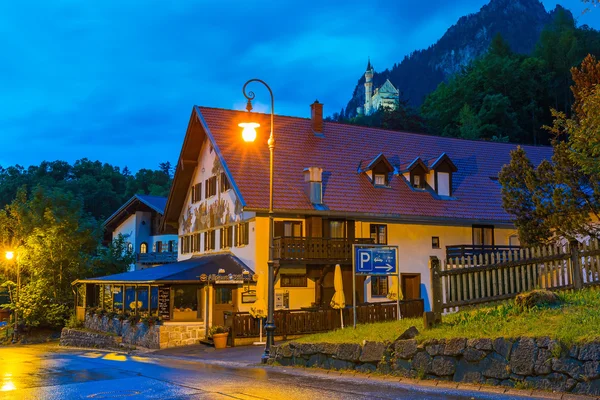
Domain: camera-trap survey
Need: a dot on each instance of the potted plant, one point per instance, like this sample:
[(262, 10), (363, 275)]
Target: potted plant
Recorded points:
[(219, 336)]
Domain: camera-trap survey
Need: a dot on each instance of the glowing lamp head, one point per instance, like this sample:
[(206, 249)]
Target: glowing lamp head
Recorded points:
[(249, 132), (10, 255)]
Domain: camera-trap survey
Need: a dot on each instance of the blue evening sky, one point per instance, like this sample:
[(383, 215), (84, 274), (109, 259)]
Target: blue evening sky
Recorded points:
[(116, 80)]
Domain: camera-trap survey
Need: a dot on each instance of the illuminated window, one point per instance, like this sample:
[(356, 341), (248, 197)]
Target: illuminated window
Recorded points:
[(379, 233), (129, 247), (144, 248), (379, 286), (380, 180)]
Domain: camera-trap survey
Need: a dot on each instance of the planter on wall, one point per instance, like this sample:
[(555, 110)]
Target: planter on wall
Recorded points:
[(220, 340)]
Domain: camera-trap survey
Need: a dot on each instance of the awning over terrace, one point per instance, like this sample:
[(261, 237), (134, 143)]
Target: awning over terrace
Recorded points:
[(222, 265)]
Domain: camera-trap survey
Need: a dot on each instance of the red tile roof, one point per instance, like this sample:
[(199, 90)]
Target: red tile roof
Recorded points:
[(340, 153)]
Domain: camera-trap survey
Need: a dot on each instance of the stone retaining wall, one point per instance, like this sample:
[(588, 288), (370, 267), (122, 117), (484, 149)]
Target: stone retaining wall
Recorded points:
[(152, 337), (80, 338), (524, 362)]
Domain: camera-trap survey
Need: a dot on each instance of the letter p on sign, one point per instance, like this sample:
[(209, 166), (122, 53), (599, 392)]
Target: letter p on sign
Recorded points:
[(365, 258)]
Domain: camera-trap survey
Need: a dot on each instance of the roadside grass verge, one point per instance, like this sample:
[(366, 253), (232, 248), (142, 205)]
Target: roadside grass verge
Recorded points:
[(575, 320)]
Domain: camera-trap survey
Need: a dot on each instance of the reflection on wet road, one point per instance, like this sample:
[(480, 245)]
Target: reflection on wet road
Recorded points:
[(49, 372)]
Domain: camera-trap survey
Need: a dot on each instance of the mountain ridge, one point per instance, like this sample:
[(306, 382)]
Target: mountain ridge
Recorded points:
[(520, 22)]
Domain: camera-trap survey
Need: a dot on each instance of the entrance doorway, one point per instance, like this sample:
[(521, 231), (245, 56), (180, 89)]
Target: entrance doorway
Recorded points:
[(225, 299), (411, 286)]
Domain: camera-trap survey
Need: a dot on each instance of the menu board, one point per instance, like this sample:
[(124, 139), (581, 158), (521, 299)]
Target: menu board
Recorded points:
[(164, 303)]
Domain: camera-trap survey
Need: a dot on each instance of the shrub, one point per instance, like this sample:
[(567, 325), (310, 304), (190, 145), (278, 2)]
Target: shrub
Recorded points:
[(122, 316), (101, 312), (217, 329), (133, 319), (151, 320), (74, 323), (111, 314)]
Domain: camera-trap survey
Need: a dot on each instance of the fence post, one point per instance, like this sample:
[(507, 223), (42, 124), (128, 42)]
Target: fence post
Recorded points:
[(576, 264), (436, 286)]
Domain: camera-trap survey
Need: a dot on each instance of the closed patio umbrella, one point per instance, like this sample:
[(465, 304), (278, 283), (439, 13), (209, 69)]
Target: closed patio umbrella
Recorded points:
[(259, 308), (395, 293), (339, 300)]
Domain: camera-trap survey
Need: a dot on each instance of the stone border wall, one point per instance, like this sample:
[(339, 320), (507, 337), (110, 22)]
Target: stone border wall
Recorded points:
[(79, 338), (523, 362), (152, 337)]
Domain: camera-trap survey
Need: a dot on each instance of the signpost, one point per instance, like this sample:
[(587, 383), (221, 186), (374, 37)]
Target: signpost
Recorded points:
[(374, 260)]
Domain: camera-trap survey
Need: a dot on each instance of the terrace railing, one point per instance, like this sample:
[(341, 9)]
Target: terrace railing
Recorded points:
[(467, 250), (315, 248), (299, 322)]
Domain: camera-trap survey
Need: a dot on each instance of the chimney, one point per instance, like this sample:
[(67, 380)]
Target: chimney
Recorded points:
[(316, 117)]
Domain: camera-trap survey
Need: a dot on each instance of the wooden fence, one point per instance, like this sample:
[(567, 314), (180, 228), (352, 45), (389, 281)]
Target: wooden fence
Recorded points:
[(299, 322), (465, 281)]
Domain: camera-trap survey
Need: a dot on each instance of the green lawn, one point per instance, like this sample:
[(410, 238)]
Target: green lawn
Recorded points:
[(576, 320)]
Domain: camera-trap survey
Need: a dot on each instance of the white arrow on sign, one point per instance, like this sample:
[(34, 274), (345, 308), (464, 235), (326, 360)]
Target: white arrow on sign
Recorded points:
[(386, 267)]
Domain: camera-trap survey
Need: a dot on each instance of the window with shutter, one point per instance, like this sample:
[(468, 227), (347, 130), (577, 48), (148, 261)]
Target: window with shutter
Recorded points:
[(225, 185)]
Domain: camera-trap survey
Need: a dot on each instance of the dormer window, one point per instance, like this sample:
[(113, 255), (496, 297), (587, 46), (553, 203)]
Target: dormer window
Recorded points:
[(313, 180), (378, 170), (443, 168), (416, 173)]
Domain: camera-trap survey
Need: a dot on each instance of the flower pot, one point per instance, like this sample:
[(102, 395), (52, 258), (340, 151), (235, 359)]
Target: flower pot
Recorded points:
[(220, 340)]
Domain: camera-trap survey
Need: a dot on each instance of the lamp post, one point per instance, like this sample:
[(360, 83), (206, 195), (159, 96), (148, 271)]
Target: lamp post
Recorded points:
[(249, 135), (9, 256)]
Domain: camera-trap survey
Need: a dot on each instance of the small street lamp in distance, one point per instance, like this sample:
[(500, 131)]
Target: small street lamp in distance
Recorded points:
[(249, 135), (10, 255)]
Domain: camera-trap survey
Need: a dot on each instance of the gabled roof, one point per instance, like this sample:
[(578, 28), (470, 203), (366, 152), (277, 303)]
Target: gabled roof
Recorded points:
[(156, 203), (368, 165), (477, 198), (388, 87), (443, 159), (413, 164), (188, 270)]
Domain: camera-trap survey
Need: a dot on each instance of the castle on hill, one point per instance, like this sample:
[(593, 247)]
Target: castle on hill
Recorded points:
[(386, 96)]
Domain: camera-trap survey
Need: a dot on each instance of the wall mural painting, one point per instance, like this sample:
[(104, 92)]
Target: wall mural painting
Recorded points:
[(200, 217)]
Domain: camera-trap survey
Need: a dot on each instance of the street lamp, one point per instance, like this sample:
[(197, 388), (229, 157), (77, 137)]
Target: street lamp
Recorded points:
[(9, 256), (249, 135)]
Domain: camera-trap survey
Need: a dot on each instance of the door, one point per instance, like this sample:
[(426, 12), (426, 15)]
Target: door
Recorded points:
[(224, 299), (411, 286)]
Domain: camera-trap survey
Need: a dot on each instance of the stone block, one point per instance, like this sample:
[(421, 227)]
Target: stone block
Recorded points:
[(492, 382), (543, 362), (421, 362), (286, 351), (494, 366), (434, 347), (591, 388), (523, 356), (329, 348), (410, 333), (480, 344), (467, 372), (473, 355), (314, 360), (443, 366), (568, 366), (455, 346), (553, 382), (591, 369), (372, 352), (366, 368), (543, 342), (405, 349), (589, 352), (348, 352), (307, 349), (403, 367), (503, 347), (340, 364)]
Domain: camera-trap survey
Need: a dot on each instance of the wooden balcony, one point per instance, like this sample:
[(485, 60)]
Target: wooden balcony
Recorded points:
[(469, 250), (157, 258), (315, 249)]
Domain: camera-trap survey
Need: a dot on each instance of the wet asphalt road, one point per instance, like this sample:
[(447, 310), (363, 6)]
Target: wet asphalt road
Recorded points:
[(49, 372)]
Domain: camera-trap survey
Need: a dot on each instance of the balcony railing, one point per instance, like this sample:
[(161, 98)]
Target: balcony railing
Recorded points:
[(315, 248), (468, 250), (157, 258)]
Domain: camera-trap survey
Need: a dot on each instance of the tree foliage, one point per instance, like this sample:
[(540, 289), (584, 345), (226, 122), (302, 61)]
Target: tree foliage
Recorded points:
[(561, 197), (508, 95), (56, 242), (103, 188)]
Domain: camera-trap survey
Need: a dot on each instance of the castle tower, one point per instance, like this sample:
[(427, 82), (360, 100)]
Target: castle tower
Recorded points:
[(368, 88)]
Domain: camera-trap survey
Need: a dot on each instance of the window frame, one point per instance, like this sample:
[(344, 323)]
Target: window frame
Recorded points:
[(377, 226), (210, 187), (376, 280), (482, 228), (242, 235), (381, 176), (226, 237), (433, 242), (293, 280), (225, 185), (144, 248)]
